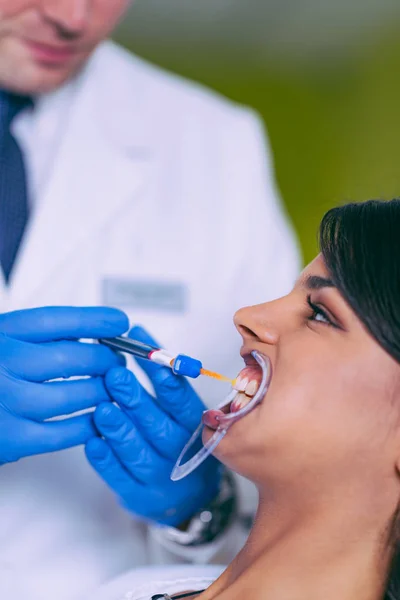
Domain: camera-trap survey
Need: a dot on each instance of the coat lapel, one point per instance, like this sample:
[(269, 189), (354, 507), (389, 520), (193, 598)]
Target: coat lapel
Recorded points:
[(104, 160)]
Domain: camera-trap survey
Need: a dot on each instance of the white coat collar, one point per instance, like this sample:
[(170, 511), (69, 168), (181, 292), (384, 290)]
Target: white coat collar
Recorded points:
[(103, 159), (113, 81), (125, 109)]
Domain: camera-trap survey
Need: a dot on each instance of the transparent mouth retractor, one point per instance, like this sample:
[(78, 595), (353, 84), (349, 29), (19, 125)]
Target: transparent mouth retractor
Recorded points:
[(195, 453)]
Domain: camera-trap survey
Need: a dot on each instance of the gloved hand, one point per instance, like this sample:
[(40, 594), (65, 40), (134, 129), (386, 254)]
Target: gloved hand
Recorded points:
[(142, 440), (30, 356)]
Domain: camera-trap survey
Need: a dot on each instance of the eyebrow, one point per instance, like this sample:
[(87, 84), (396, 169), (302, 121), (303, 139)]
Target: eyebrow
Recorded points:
[(315, 282)]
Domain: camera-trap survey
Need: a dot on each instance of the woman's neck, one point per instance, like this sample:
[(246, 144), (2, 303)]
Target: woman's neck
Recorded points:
[(308, 555)]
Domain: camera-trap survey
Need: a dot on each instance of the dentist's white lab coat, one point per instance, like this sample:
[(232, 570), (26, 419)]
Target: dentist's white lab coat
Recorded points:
[(154, 195)]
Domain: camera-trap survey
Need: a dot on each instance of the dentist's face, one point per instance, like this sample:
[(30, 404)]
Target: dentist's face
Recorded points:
[(45, 42), (332, 412)]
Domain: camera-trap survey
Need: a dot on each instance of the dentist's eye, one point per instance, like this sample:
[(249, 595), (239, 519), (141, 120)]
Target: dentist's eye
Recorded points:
[(318, 314)]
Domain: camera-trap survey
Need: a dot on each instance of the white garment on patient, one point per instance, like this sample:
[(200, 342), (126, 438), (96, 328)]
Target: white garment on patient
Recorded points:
[(142, 584)]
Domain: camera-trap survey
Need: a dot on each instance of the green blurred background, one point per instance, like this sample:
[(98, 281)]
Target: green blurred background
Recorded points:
[(326, 84)]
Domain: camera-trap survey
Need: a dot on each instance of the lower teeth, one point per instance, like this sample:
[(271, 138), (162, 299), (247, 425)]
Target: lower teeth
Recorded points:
[(240, 401)]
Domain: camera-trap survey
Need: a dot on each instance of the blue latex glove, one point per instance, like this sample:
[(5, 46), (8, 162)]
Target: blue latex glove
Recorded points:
[(30, 356), (142, 439)]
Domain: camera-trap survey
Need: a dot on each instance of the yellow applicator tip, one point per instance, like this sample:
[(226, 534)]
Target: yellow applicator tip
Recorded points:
[(217, 376)]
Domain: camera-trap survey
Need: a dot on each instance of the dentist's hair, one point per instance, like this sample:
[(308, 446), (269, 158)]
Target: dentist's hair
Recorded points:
[(360, 244)]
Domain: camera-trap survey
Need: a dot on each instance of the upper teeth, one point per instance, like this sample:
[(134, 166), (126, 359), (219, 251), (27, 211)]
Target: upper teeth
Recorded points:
[(241, 383), (251, 388)]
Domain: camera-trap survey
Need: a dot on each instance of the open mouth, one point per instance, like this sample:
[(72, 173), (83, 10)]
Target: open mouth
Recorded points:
[(248, 391), (247, 385)]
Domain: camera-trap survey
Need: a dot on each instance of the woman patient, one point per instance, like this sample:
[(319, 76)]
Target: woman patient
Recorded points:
[(323, 447)]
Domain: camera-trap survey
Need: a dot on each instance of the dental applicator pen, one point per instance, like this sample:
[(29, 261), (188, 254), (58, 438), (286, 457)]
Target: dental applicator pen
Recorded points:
[(180, 365)]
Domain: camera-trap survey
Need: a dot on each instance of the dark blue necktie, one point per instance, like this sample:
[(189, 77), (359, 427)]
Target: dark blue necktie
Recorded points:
[(14, 209)]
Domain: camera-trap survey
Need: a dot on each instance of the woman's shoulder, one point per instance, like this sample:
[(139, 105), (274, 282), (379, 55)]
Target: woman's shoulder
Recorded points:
[(146, 582)]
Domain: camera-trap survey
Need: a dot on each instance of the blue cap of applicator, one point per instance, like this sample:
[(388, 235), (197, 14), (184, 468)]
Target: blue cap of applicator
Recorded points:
[(187, 366)]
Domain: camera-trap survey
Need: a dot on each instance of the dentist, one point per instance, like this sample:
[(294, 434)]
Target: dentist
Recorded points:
[(125, 186)]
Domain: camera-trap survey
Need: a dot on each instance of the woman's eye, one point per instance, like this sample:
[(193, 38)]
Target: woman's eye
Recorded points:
[(318, 314)]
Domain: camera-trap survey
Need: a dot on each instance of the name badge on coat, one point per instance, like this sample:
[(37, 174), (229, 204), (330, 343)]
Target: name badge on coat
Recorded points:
[(143, 294)]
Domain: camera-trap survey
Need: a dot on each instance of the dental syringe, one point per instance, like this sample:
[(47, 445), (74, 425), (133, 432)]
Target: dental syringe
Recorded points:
[(181, 364)]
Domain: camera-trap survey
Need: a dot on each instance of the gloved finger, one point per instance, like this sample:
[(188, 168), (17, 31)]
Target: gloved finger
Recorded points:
[(40, 438), (59, 322), (53, 360), (110, 469), (122, 358), (127, 443), (41, 401), (159, 429), (134, 496), (174, 394)]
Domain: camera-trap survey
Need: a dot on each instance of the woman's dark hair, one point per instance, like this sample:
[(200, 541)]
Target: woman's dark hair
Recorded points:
[(360, 244)]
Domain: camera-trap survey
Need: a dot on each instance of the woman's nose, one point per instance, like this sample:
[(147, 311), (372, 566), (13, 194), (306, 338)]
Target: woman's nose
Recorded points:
[(256, 323)]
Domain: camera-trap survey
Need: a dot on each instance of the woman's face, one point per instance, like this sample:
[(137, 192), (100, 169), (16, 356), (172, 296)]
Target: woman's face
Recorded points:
[(332, 411)]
